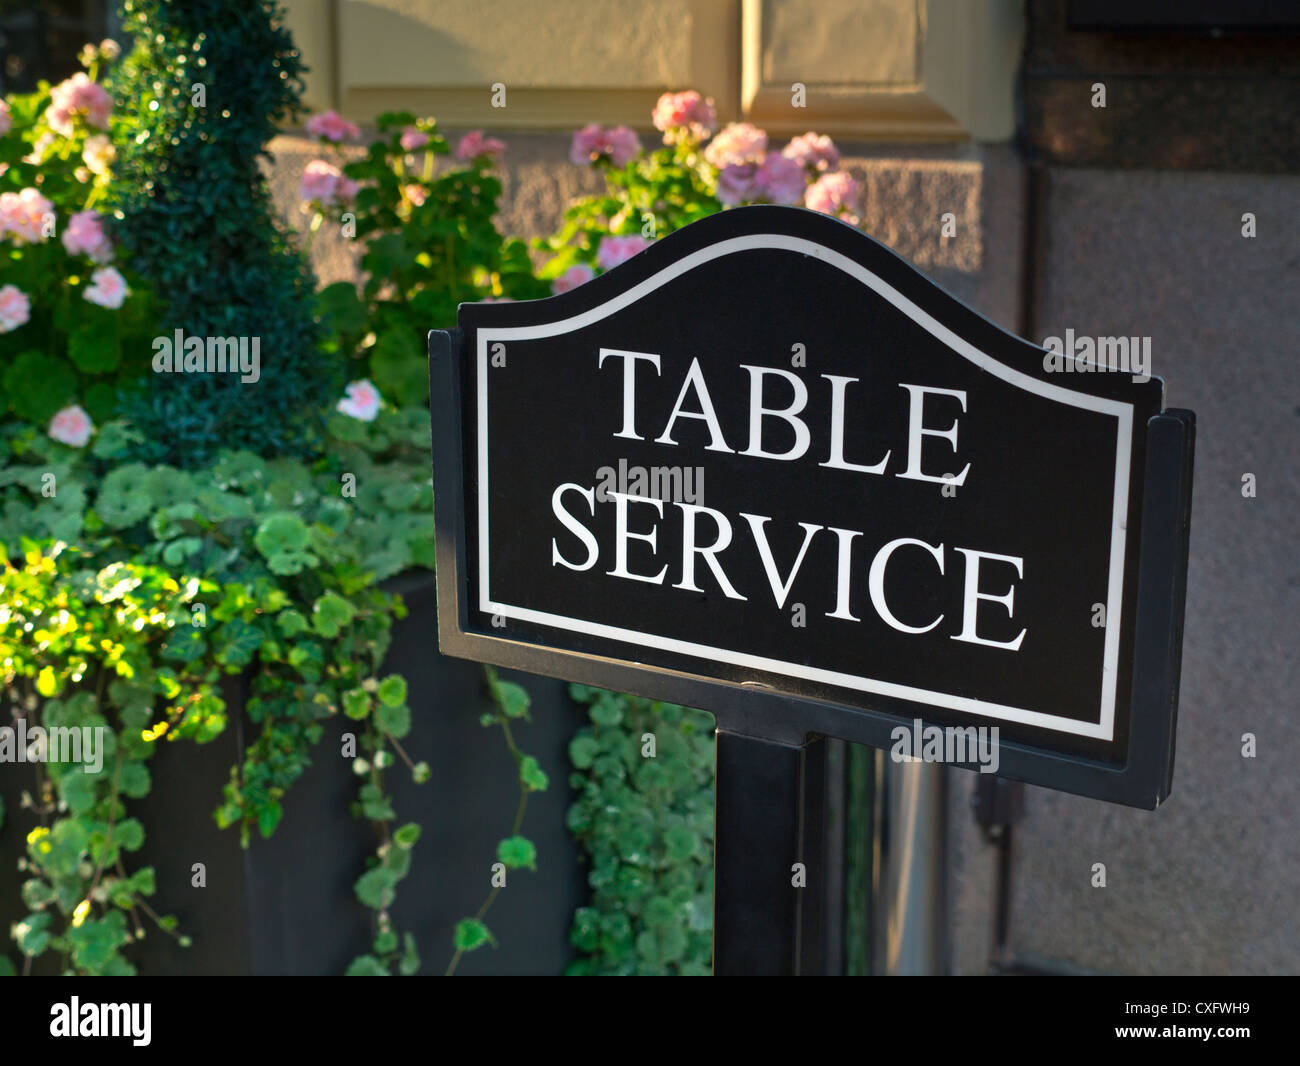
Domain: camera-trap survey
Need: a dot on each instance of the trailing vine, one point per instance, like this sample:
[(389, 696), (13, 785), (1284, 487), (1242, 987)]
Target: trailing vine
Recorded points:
[(178, 580), (515, 852)]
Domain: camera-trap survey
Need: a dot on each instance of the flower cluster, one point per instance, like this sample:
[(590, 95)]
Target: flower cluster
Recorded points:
[(331, 126), (54, 244), (324, 184), (700, 170), (594, 144), (78, 98)]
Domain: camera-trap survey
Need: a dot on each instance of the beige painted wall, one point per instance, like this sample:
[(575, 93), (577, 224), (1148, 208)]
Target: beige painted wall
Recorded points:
[(871, 69)]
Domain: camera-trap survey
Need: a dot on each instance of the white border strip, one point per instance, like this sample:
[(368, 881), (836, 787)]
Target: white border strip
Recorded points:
[(1123, 413)]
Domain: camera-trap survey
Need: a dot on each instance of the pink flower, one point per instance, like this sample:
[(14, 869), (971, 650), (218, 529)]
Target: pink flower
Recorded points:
[(325, 184), (684, 116), (578, 274), (6, 119), (78, 96), (71, 426), (15, 308), (475, 146), (413, 138), (85, 235), (107, 288), (615, 250), (738, 143), (362, 401), (813, 151), (779, 180), (736, 183), (415, 193), (331, 126), (23, 215), (592, 143), (833, 193)]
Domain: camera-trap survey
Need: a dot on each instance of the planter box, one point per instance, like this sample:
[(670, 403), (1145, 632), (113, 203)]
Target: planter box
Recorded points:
[(286, 905)]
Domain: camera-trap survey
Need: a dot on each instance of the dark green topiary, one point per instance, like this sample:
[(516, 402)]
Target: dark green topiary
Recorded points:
[(196, 215)]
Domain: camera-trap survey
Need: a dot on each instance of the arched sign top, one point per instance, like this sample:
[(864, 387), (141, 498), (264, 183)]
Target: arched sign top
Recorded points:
[(768, 468)]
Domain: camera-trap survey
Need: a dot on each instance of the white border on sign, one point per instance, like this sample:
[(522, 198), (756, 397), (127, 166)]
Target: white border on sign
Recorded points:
[(1123, 413)]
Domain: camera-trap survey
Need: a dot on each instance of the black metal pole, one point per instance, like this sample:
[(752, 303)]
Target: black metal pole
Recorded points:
[(769, 857)]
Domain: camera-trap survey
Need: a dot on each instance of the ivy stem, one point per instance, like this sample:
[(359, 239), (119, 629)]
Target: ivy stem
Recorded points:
[(504, 722)]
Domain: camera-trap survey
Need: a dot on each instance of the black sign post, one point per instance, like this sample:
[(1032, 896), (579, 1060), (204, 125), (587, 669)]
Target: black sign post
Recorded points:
[(768, 469)]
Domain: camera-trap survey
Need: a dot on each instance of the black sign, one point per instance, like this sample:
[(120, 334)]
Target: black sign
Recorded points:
[(768, 469)]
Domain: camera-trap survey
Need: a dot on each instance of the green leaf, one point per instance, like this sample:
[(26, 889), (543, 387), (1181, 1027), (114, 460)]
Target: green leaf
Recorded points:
[(291, 622), (77, 790), (269, 817), (331, 613), (409, 964), (340, 304), (471, 934), (514, 699), (607, 710), (32, 934), (396, 721), (582, 750), (123, 498), (356, 703), (129, 834), (398, 367), (36, 894), (518, 853), (279, 533), (407, 835), (392, 690), (532, 775), (94, 349), (374, 888), (420, 773), (38, 385), (366, 966)]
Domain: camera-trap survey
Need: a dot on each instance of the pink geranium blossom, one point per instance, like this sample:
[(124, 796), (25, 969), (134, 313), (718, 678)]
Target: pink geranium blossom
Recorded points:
[(833, 194), (107, 288), (779, 180), (740, 142), (23, 215), (332, 126), (415, 193), (362, 401), (413, 138), (813, 151), (15, 308), (71, 426), (578, 274), (78, 96), (6, 119), (325, 184), (685, 115), (475, 146), (85, 235), (615, 250), (736, 183), (591, 143)]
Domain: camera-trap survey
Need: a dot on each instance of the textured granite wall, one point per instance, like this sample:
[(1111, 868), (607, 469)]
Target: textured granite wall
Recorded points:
[(1207, 883)]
